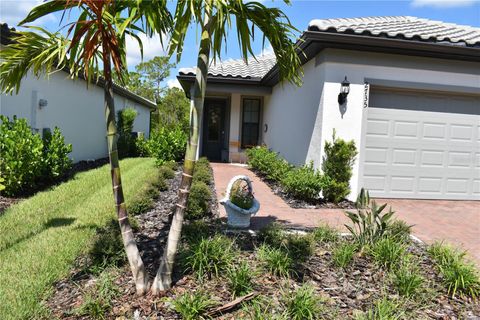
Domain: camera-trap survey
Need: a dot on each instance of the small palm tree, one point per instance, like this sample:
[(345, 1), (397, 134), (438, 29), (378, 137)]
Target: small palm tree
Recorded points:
[(96, 39), (214, 18)]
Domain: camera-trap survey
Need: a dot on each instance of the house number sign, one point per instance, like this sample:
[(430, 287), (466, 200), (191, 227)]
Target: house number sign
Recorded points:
[(366, 94)]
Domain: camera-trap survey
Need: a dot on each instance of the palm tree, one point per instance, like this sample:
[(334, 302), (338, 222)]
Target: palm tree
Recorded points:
[(96, 38), (214, 18)]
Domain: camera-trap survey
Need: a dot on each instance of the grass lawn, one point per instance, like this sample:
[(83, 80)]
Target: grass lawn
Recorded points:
[(40, 237)]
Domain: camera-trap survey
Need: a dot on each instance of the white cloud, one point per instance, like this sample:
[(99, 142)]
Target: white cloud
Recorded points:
[(173, 83), (267, 50), (442, 3), (13, 11), (151, 47)]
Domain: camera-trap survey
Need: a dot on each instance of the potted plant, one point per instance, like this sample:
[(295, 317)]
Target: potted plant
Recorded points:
[(239, 202)]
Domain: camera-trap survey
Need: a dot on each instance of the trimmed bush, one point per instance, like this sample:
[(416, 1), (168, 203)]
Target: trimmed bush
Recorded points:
[(337, 168), (55, 155), (202, 173), (198, 201), (303, 183), (268, 163), (126, 142), (166, 172), (164, 145)]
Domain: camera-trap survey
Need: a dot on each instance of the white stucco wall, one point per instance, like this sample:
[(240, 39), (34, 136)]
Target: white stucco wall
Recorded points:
[(301, 119), (78, 112)]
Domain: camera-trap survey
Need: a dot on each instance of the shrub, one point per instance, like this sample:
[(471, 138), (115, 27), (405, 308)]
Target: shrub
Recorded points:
[(240, 279), (241, 196), (166, 172), (325, 234), (165, 145), (193, 306), (369, 223), (387, 252), (303, 183), (209, 257), (303, 304), (275, 261), (198, 201), (337, 167), (458, 275), (343, 254), (268, 163), (55, 155), (406, 278), (126, 142), (21, 155), (202, 174)]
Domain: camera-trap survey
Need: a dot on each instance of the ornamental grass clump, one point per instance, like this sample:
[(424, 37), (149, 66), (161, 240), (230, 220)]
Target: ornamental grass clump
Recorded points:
[(193, 306), (383, 309), (406, 277), (343, 254), (387, 252), (275, 261), (303, 304), (325, 234), (240, 279)]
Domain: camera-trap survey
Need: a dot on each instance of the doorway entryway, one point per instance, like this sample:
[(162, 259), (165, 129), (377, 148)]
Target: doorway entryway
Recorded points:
[(214, 128)]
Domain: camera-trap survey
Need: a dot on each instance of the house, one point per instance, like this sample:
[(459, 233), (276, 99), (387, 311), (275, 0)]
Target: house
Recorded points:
[(412, 108), (58, 101)]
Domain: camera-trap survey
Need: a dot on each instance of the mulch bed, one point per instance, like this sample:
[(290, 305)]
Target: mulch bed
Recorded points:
[(302, 204), (344, 292)]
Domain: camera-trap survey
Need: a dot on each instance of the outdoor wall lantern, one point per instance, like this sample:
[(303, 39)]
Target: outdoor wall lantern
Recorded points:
[(42, 103), (344, 90)]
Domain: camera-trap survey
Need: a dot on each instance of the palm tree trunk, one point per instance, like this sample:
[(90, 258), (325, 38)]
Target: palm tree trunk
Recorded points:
[(136, 264), (163, 279)]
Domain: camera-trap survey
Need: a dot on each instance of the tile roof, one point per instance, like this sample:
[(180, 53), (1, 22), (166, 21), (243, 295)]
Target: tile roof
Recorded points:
[(254, 69), (402, 27)]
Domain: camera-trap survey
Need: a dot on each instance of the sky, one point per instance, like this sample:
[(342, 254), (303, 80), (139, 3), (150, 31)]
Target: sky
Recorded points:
[(464, 12)]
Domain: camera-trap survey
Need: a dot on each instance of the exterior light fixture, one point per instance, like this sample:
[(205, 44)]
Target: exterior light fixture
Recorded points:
[(344, 90), (42, 103)]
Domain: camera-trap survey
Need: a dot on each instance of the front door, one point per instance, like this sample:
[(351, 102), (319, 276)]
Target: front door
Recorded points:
[(214, 129)]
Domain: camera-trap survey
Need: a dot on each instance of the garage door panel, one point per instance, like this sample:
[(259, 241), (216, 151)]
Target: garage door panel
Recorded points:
[(422, 152)]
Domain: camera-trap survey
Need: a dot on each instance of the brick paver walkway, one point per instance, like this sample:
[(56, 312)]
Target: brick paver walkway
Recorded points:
[(457, 222)]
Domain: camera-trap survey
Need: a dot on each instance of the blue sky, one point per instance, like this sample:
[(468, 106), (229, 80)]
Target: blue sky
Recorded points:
[(465, 12)]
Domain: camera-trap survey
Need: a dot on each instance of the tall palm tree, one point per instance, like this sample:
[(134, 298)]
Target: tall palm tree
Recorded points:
[(214, 18), (96, 39)]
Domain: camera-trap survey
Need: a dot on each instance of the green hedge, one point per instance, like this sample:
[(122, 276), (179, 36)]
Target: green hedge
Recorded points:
[(198, 205), (165, 145)]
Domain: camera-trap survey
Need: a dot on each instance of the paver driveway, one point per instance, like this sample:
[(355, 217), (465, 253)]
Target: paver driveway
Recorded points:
[(457, 222)]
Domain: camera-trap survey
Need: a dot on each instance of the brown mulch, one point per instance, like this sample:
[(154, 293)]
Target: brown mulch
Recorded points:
[(6, 202), (343, 292)]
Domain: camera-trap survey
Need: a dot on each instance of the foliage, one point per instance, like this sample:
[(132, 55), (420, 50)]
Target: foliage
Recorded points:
[(126, 142), (164, 145), (383, 309), (107, 249), (337, 168), (399, 230), (198, 204), (98, 301), (303, 304), (303, 183), (2, 186), (268, 163), (173, 111), (152, 73), (193, 306), (166, 172), (202, 171), (241, 196), (342, 255), (275, 261), (26, 159), (406, 278), (240, 279), (195, 231), (299, 246), (144, 200), (260, 308), (209, 257), (387, 252), (369, 223), (325, 234), (44, 234), (272, 234), (459, 275)]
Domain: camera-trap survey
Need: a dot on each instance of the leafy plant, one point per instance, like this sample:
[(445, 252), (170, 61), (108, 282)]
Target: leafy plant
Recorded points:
[(198, 201), (268, 163), (240, 279), (304, 183), (275, 261), (166, 172), (325, 234), (342, 255), (193, 306), (337, 167), (383, 309), (202, 171), (164, 145), (399, 230), (55, 155), (126, 141), (387, 252), (406, 278), (299, 246), (303, 304), (241, 196), (107, 249), (458, 274), (370, 223), (209, 257)]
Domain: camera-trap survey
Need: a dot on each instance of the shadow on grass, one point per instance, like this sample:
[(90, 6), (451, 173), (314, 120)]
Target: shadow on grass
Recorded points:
[(51, 223)]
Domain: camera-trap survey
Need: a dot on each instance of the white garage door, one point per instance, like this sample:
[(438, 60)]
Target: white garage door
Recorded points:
[(422, 145)]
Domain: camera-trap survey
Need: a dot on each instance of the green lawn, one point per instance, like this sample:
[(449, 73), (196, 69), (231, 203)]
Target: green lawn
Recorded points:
[(40, 237)]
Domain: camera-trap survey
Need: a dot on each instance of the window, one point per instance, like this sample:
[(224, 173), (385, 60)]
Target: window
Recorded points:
[(250, 122)]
